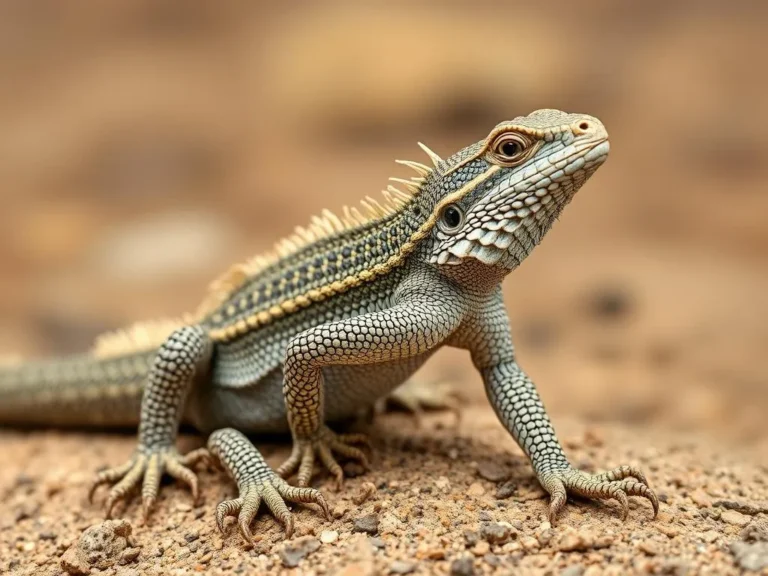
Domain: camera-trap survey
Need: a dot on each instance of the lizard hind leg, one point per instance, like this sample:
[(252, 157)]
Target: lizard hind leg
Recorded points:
[(256, 483)]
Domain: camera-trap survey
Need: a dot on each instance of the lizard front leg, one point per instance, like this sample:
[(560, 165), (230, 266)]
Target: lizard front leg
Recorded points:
[(416, 323), (518, 405), (185, 352)]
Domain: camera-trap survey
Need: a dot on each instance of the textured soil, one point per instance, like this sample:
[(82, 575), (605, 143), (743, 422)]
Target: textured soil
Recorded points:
[(439, 499)]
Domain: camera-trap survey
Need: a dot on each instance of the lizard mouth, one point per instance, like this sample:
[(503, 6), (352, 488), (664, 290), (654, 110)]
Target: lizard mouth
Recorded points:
[(514, 217)]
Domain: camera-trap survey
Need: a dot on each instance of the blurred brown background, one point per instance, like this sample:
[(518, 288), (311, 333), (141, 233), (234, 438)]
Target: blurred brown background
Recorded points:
[(147, 145)]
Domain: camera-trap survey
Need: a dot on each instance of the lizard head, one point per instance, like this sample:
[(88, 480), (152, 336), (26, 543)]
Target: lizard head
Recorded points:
[(493, 201)]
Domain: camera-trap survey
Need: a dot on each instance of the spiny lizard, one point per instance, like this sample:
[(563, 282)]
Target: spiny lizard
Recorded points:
[(337, 316)]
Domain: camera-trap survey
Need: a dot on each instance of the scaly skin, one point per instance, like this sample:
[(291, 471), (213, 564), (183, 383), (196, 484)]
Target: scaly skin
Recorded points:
[(345, 314)]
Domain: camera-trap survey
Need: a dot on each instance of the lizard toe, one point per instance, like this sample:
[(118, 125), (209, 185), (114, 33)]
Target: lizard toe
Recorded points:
[(618, 484)]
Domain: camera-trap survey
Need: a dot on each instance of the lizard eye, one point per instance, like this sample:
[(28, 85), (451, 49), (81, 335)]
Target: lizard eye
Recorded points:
[(451, 219), (510, 148)]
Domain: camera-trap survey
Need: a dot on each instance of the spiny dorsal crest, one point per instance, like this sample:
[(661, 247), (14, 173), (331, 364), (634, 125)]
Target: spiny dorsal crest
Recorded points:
[(322, 226), (142, 336)]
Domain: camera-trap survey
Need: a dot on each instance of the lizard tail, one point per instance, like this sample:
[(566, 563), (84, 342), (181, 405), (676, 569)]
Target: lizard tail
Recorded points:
[(101, 389), (78, 391)]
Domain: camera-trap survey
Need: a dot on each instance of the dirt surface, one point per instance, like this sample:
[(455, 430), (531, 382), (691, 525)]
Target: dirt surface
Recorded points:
[(440, 499), (146, 146)]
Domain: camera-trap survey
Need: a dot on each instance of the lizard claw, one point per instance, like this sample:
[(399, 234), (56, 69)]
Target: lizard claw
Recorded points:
[(322, 446), (273, 491), (146, 468), (618, 484)]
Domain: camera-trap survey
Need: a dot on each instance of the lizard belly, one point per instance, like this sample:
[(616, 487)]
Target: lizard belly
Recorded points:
[(260, 408)]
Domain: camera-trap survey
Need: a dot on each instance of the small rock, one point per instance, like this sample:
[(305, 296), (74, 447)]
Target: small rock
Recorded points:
[(73, 564), (471, 537), (475, 490), (751, 556), (742, 507), (755, 532), (462, 567), (649, 547), (377, 543), (710, 536), (339, 510), (367, 489), (574, 570), (47, 535), (442, 483), (368, 524), (506, 489), (192, 536), (401, 567), (425, 552), (572, 541), (668, 531), (129, 555), (530, 543), (481, 548), (701, 498), (734, 518), (100, 546), (545, 534), (496, 533), (329, 536), (294, 552), (492, 471)]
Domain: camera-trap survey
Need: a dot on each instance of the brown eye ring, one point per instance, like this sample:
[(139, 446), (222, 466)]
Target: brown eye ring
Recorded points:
[(510, 148)]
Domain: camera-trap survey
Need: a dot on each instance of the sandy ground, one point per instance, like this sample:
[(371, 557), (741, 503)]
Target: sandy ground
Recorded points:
[(439, 499)]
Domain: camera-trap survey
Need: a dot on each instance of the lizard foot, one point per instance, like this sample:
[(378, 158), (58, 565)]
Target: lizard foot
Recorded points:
[(273, 491), (618, 484), (146, 467), (321, 445)]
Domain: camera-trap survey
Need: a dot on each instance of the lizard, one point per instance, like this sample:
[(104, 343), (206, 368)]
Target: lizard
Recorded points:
[(335, 317)]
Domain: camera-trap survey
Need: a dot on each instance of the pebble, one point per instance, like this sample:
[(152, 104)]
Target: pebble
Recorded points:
[(368, 524), (710, 536), (475, 490), (701, 498), (401, 567), (572, 541), (129, 555), (735, 518), (329, 536), (529, 543), (294, 552), (649, 547), (367, 489), (192, 536), (574, 570), (339, 510), (424, 551), (667, 530), (462, 567), (496, 533), (442, 483), (100, 546), (506, 489), (752, 557), (481, 548)]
